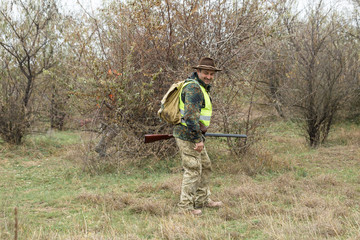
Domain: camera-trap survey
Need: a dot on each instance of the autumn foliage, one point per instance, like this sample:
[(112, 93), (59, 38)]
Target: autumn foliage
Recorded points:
[(273, 61)]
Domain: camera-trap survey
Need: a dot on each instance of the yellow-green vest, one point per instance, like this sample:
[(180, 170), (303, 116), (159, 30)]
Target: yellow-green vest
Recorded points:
[(205, 114)]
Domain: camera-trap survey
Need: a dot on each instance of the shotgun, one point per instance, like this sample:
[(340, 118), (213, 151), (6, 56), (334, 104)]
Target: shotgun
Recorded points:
[(149, 138)]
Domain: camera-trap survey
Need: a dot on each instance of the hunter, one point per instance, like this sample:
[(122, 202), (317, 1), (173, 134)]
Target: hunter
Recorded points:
[(196, 109)]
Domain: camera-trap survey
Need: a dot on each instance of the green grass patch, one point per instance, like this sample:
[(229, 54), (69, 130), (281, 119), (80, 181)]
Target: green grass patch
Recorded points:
[(310, 194)]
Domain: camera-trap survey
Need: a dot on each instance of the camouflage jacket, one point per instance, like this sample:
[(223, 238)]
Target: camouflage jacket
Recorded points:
[(193, 99)]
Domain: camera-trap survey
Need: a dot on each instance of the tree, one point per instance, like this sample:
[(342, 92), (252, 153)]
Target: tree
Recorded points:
[(318, 66), (353, 37), (137, 49), (29, 40)]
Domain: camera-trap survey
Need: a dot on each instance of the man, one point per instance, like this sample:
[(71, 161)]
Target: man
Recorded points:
[(196, 109)]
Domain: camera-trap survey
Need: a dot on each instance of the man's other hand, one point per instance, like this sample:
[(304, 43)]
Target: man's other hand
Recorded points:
[(199, 146)]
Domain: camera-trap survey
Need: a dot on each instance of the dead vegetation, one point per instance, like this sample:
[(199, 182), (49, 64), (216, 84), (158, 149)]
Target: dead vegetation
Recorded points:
[(311, 195), (317, 205), (298, 193)]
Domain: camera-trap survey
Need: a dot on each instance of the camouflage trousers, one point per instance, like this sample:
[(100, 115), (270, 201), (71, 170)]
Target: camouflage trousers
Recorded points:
[(109, 132), (195, 190)]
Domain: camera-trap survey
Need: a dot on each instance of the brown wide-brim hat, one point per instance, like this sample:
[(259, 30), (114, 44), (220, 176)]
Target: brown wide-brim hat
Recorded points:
[(207, 63)]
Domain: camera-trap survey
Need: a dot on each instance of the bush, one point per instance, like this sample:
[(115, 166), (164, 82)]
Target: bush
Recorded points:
[(13, 123)]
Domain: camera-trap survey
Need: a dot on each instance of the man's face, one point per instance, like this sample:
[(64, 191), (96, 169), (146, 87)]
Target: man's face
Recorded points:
[(206, 75)]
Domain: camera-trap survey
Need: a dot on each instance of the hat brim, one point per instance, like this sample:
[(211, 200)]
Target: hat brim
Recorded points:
[(206, 67)]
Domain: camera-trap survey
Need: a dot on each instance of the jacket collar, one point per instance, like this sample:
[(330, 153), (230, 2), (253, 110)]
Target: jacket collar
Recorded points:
[(196, 77)]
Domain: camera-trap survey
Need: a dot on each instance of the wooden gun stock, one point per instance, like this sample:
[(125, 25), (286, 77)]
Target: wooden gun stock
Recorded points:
[(149, 138)]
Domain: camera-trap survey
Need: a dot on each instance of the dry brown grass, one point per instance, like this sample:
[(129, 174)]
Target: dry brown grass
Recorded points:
[(153, 207), (119, 201), (170, 228), (171, 185), (297, 193), (315, 205), (257, 160), (111, 201)]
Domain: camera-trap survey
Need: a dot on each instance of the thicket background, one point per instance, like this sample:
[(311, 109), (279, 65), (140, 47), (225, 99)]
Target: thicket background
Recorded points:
[(57, 68), (290, 81)]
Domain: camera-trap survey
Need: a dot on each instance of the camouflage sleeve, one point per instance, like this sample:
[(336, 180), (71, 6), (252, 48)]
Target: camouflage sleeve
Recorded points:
[(193, 99)]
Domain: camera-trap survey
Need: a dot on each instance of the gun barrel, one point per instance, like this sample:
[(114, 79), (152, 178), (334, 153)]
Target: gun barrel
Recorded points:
[(225, 135), (157, 137)]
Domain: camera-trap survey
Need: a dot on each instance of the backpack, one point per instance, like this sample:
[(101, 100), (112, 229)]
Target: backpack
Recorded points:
[(169, 110)]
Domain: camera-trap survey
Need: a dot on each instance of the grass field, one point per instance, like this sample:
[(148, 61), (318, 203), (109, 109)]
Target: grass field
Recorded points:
[(293, 193)]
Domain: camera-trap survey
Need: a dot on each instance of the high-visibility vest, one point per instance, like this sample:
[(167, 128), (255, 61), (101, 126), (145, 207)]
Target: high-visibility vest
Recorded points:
[(205, 114)]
